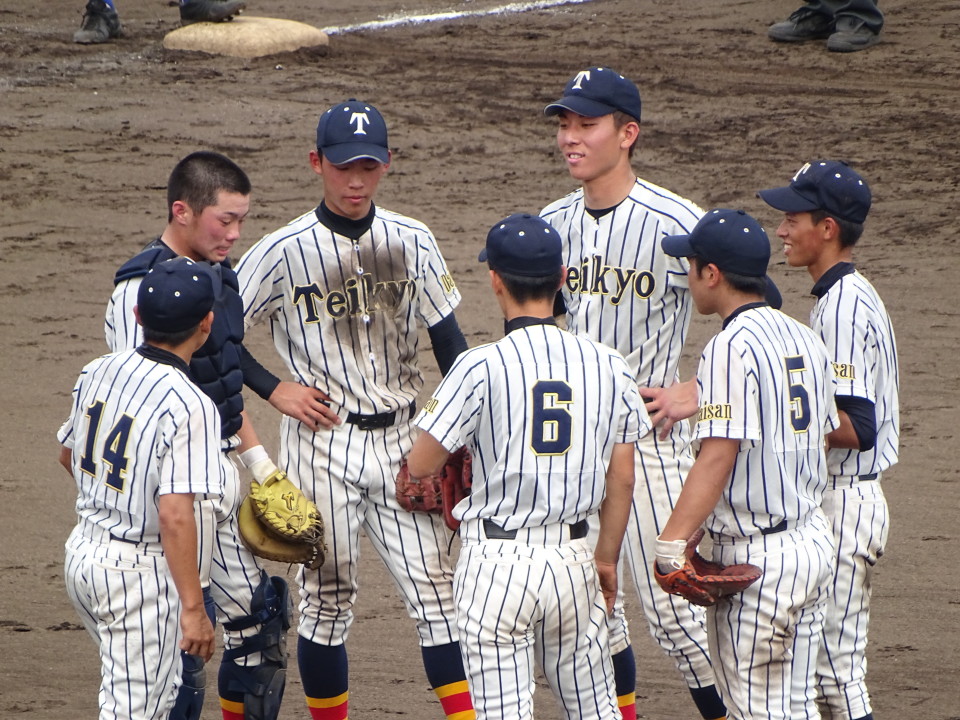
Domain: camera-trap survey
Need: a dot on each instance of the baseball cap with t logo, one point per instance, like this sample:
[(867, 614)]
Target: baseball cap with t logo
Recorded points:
[(353, 130), (598, 91), (827, 185)]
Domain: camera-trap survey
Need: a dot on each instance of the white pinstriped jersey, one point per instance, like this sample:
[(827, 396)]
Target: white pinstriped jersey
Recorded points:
[(855, 327), (622, 289), (120, 326), (540, 411), (139, 428), (344, 315), (766, 380)]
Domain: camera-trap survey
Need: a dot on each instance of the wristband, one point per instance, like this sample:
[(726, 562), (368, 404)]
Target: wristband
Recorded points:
[(254, 454), (671, 553), (262, 469)]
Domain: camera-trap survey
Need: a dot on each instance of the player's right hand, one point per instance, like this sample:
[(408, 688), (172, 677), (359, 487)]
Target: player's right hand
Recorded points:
[(607, 573), (198, 637), (306, 404), (670, 405)]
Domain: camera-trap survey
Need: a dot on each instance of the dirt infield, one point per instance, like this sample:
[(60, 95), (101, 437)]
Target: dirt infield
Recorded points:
[(89, 134)]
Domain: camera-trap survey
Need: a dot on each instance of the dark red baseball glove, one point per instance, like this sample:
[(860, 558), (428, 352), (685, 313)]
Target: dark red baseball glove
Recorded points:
[(437, 493), (703, 582)]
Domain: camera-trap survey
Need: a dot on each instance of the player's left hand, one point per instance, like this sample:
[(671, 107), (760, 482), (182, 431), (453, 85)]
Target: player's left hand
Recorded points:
[(700, 581), (608, 583), (670, 405), (306, 404), (198, 638)]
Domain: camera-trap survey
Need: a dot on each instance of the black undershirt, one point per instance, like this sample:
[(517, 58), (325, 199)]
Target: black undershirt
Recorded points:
[(345, 226), (165, 357), (525, 321)]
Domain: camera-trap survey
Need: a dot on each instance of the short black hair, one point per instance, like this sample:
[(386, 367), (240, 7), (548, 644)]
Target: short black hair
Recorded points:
[(200, 176), (523, 288), (850, 232), (748, 284), (170, 339)]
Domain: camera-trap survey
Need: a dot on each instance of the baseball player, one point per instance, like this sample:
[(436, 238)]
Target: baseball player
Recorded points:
[(825, 206), (766, 402), (345, 288), (545, 461), (623, 291), (142, 442), (208, 198)]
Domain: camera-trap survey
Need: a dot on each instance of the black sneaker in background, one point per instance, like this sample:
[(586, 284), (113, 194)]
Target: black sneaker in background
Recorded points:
[(804, 24), (100, 24), (852, 34), (194, 11)]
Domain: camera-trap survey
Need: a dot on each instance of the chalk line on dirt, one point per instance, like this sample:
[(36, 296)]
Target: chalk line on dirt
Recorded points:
[(516, 7)]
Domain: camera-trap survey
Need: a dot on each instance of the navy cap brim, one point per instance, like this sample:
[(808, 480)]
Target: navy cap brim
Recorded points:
[(786, 199), (348, 152), (579, 105), (677, 246), (482, 257), (772, 294)]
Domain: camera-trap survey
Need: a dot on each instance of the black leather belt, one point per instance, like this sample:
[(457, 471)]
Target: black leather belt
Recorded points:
[(867, 478), (495, 532), (380, 420), (120, 539), (779, 527)]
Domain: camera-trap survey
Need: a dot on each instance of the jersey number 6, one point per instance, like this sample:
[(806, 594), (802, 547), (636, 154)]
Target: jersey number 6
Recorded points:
[(552, 423)]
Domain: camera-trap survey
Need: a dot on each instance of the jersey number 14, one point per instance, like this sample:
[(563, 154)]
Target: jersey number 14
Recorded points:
[(114, 450)]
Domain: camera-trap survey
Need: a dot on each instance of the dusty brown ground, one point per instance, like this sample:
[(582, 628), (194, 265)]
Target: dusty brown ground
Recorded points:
[(89, 134)]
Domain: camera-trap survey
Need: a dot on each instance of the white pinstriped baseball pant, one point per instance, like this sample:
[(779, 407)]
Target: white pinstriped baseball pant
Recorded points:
[(861, 521), (533, 599)]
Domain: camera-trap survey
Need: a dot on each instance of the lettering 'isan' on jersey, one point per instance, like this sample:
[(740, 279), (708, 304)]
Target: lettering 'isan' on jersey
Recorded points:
[(766, 380), (854, 324)]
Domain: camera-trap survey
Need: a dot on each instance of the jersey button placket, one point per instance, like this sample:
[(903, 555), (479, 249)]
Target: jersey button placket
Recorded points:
[(366, 316)]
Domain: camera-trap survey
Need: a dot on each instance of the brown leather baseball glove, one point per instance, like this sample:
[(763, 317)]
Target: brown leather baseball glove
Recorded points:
[(703, 582), (437, 493)]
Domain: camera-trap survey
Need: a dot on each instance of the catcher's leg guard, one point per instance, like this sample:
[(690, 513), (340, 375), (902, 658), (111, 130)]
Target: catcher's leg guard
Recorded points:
[(262, 685), (189, 704)]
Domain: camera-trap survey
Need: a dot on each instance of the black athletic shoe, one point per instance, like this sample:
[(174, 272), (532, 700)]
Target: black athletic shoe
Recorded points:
[(852, 34), (194, 11), (100, 24), (802, 25)]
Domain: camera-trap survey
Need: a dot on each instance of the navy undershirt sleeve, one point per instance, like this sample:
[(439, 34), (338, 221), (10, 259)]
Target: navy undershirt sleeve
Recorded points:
[(863, 416), (256, 376), (448, 342)]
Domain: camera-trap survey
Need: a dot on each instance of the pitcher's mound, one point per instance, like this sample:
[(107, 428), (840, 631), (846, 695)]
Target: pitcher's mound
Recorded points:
[(246, 37)]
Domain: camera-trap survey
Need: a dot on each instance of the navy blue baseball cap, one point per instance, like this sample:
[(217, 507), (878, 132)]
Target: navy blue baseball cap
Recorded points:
[(598, 91), (353, 130), (731, 240), (827, 185), (175, 295), (525, 245)]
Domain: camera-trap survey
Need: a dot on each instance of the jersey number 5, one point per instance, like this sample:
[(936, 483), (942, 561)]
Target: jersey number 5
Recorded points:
[(114, 452), (799, 398), (552, 423)]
